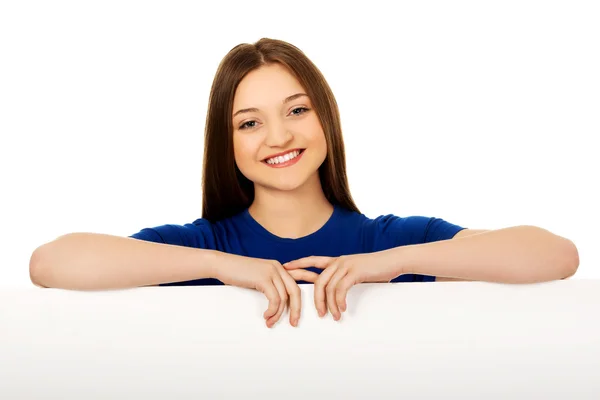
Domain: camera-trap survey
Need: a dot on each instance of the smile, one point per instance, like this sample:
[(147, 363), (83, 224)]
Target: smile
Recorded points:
[(284, 160)]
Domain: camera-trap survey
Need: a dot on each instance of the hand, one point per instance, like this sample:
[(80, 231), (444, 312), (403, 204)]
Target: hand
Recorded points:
[(339, 275), (266, 276)]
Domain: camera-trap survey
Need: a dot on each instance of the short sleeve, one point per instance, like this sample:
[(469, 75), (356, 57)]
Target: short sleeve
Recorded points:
[(198, 234), (398, 231), (149, 235), (402, 231), (429, 230)]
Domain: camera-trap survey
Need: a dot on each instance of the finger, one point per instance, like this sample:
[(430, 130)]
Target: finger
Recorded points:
[(312, 261), (295, 296), (303, 275), (270, 292), (341, 291), (320, 284), (283, 300), (331, 293)]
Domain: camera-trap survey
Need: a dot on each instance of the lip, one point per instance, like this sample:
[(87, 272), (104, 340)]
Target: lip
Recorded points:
[(282, 153), (286, 163)]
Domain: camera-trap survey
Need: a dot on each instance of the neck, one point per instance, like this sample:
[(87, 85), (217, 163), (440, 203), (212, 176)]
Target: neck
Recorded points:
[(294, 213)]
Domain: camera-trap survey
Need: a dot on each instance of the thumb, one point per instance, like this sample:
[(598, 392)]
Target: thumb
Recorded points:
[(320, 262), (303, 275)]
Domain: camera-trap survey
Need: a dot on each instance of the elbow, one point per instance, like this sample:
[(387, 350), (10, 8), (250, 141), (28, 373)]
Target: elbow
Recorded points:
[(562, 256), (42, 264), (36, 269), (570, 262)]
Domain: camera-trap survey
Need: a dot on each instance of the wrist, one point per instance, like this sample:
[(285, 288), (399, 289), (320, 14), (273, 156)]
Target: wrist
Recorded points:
[(208, 262), (393, 261), (219, 261)]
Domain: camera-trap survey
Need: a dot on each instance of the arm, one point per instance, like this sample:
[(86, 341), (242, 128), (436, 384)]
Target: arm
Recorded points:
[(90, 261), (520, 254)]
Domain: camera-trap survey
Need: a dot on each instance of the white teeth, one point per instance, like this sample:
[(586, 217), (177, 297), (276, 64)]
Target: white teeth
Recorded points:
[(284, 158)]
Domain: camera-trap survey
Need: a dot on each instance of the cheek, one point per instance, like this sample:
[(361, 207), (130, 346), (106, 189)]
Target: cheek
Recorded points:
[(318, 142), (244, 150), (316, 137)]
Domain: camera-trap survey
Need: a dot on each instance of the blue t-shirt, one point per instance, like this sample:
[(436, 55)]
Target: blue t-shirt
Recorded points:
[(346, 232)]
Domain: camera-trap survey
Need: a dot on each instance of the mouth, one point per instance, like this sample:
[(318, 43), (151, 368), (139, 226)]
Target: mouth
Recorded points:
[(284, 160)]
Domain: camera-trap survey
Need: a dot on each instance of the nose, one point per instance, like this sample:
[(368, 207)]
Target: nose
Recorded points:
[(278, 136)]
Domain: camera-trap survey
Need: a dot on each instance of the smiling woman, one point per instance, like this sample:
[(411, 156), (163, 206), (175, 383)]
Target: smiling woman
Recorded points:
[(277, 210)]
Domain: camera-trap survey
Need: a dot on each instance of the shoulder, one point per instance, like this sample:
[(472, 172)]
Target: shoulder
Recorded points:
[(413, 229), (199, 234)]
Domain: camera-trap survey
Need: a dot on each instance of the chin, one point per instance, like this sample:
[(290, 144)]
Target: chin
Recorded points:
[(285, 186), (290, 184)]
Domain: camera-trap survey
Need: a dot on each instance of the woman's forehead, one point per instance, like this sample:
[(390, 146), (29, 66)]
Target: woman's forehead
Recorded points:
[(268, 84)]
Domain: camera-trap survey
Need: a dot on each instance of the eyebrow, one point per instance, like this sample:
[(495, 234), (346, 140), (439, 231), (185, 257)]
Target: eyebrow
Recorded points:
[(286, 100)]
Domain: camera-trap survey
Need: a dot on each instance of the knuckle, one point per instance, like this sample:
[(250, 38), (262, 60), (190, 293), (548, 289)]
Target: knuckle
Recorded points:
[(347, 262), (345, 265), (266, 281), (261, 285), (352, 278)]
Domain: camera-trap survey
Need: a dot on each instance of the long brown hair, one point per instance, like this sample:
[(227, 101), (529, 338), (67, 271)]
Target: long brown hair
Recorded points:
[(226, 191)]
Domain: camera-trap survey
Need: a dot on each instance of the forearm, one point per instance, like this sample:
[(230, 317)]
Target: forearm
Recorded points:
[(522, 254), (89, 261)]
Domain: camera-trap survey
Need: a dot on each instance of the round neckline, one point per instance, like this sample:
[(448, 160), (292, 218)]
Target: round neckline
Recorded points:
[(261, 230)]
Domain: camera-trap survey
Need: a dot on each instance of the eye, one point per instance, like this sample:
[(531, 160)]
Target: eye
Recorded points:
[(245, 125), (304, 109)]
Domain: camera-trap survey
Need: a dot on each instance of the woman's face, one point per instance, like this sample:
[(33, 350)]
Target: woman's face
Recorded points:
[(279, 143)]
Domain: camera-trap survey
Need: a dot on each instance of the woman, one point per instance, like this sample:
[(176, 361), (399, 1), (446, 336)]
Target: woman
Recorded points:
[(277, 210)]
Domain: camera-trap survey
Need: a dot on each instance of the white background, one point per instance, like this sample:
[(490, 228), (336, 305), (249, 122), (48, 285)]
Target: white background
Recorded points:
[(481, 113)]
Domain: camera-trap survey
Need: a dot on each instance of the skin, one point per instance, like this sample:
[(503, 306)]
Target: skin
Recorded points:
[(289, 202)]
